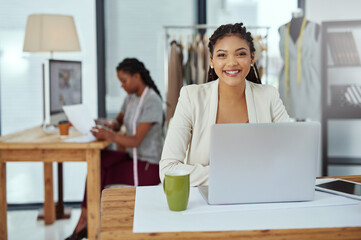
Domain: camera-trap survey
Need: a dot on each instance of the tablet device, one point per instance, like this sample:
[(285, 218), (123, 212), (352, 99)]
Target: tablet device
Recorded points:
[(341, 187)]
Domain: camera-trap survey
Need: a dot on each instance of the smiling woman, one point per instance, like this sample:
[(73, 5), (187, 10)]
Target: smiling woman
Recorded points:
[(232, 59), (231, 44), (235, 97)]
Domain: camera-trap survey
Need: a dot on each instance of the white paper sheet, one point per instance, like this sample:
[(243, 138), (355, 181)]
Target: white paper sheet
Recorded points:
[(80, 118), (151, 213)]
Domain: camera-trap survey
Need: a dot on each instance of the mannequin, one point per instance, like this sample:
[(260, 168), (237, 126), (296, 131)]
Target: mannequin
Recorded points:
[(300, 81), (296, 23)]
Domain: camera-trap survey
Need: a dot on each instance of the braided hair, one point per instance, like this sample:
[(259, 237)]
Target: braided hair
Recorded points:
[(227, 30), (133, 66)]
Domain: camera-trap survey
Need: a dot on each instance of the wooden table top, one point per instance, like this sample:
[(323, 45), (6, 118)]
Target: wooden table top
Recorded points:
[(117, 215), (30, 139), (35, 144)]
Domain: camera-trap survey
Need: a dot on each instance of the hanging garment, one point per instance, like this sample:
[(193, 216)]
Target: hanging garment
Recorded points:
[(175, 79), (181, 58), (258, 55), (259, 47), (206, 57), (300, 80), (200, 63), (187, 70), (193, 63)]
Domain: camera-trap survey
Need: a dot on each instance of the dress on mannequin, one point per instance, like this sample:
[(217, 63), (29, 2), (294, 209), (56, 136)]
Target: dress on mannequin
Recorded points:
[(300, 80)]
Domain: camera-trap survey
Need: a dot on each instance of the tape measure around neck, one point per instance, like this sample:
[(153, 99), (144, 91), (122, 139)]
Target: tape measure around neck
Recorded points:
[(299, 55), (134, 125)]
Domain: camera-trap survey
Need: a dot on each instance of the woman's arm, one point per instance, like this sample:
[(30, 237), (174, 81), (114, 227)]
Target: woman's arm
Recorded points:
[(178, 140), (126, 141)]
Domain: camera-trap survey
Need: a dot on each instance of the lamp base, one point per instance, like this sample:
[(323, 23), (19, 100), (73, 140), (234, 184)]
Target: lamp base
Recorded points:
[(50, 129)]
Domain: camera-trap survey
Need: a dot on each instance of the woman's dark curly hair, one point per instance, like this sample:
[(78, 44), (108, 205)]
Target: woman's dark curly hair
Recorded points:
[(227, 30), (133, 66)]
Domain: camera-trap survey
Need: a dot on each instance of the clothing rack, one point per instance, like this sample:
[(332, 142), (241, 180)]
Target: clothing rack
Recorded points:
[(167, 28)]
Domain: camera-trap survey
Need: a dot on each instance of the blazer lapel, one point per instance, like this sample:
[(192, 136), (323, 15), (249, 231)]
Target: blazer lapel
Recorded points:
[(213, 103), (206, 122), (252, 115)]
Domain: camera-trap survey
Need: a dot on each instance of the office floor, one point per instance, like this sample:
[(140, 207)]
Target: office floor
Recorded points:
[(22, 224)]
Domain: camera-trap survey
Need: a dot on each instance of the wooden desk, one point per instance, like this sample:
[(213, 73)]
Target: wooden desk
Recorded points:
[(34, 145), (117, 213)]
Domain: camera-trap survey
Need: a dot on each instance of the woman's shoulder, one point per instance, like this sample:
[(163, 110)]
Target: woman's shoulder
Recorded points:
[(262, 88), (153, 96), (200, 88)]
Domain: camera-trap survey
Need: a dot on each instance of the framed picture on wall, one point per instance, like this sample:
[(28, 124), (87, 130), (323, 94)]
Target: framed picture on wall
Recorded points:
[(65, 84)]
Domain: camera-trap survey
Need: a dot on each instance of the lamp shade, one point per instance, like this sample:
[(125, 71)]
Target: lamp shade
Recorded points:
[(50, 33)]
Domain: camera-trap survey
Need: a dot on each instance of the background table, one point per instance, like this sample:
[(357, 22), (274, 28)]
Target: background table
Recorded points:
[(117, 213), (35, 145)]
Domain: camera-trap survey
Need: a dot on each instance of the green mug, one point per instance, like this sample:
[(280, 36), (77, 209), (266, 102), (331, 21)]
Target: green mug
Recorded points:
[(176, 188)]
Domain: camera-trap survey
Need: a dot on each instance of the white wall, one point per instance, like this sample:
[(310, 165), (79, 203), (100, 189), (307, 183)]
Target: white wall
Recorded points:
[(134, 28), (21, 88), (344, 137), (333, 10), (22, 71)]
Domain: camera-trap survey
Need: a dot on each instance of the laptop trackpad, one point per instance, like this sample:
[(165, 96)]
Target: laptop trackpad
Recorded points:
[(204, 191)]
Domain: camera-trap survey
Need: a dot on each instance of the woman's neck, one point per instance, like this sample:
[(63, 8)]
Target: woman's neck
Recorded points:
[(140, 90), (231, 93)]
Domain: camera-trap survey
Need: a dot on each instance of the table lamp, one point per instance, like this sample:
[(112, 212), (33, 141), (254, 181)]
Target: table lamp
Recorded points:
[(52, 33)]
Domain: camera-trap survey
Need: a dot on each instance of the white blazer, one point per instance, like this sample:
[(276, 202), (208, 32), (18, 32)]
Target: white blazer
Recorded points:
[(187, 142)]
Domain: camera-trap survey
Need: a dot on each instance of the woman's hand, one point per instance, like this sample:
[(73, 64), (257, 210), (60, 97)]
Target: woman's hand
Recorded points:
[(102, 133), (112, 124)]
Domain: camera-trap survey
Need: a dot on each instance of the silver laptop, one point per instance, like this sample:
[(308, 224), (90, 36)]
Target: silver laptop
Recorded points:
[(262, 162)]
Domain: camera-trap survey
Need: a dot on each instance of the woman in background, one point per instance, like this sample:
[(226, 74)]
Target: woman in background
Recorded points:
[(142, 116), (233, 94)]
